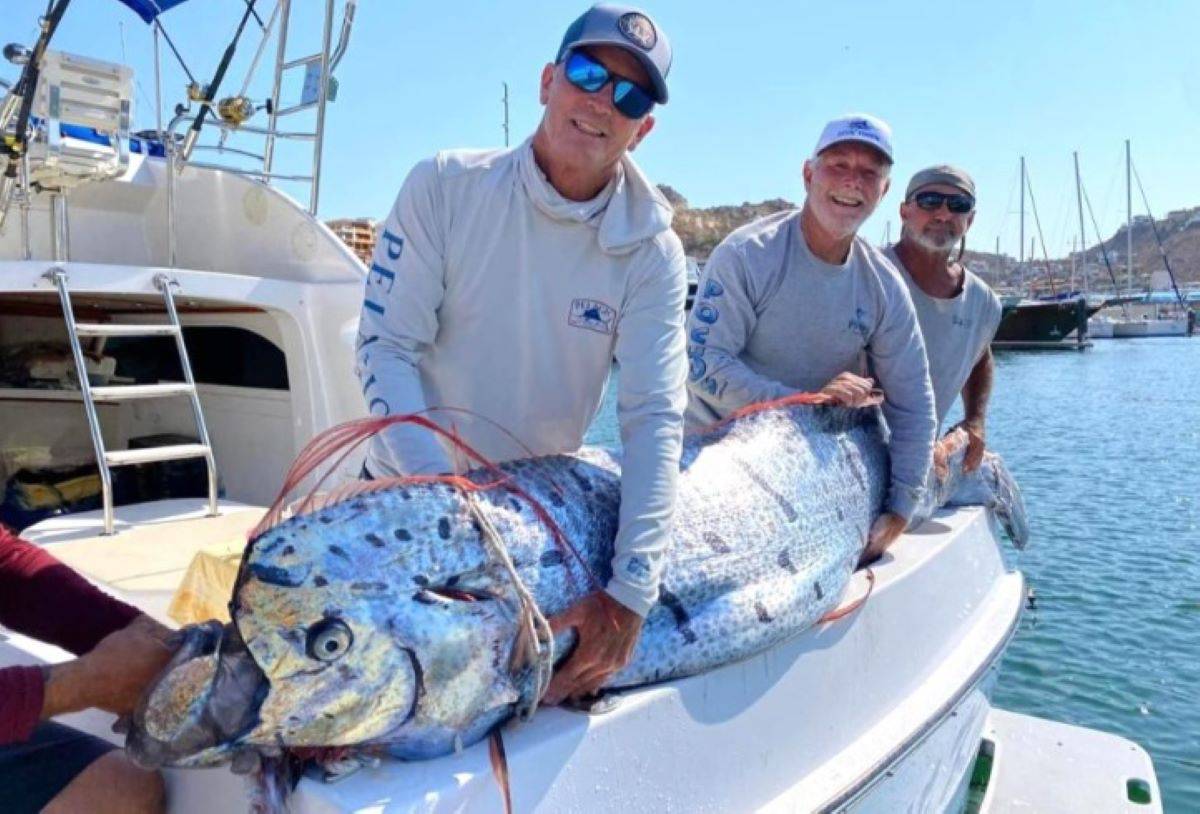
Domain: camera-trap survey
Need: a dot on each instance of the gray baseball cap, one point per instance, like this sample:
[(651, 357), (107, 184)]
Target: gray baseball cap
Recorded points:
[(941, 174), (625, 27)]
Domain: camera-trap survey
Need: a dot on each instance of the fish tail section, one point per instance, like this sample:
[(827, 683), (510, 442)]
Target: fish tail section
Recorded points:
[(993, 486)]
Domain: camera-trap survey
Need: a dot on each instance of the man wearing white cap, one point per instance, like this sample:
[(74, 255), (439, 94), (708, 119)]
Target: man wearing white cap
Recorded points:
[(957, 311), (797, 302), (506, 281)]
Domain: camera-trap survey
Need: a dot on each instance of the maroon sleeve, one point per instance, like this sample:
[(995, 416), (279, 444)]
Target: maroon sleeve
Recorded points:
[(21, 699), (42, 598)]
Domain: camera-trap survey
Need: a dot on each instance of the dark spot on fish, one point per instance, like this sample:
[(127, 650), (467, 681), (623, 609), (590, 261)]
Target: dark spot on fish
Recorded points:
[(716, 542), (862, 484), (785, 561), (478, 528), (288, 550), (444, 528), (370, 587), (425, 597), (789, 511), (421, 580), (761, 610), (320, 581), (551, 558), (375, 540), (453, 580), (338, 551), (405, 494), (358, 506), (268, 547), (273, 575), (402, 535), (841, 515), (324, 518), (581, 479), (516, 504), (820, 593), (682, 619), (556, 499)]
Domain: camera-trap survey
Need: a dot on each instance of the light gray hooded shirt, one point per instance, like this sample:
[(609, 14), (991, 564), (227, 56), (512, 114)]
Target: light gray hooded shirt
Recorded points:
[(490, 291)]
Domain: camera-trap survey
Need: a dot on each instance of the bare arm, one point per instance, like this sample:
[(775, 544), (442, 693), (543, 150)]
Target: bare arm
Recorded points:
[(975, 394)]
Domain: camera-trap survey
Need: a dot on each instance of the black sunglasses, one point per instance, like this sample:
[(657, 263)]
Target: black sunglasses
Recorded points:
[(585, 73), (957, 202)]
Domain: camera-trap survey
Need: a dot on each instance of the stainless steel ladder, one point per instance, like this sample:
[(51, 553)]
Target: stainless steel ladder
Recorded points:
[(106, 459)]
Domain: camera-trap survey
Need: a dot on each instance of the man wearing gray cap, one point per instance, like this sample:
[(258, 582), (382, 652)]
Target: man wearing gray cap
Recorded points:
[(506, 281), (796, 302), (957, 311)]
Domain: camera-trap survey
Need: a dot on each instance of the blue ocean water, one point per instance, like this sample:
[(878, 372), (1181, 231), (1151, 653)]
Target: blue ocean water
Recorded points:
[(1105, 444)]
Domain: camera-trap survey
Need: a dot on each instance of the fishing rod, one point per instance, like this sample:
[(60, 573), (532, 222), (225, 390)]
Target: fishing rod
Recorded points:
[(206, 95), (20, 101)]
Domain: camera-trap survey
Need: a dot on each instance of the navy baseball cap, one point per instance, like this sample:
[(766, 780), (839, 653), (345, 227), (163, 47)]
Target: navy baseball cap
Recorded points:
[(624, 27)]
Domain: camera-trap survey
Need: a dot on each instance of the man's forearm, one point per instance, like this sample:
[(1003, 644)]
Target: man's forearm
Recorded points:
[(977, 390)]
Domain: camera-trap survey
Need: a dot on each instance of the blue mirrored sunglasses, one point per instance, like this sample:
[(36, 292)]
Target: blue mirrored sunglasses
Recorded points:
[(585, 73)]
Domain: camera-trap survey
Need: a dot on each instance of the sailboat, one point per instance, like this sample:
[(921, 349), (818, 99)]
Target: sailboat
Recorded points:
[(1056, 321), (1153, 320)]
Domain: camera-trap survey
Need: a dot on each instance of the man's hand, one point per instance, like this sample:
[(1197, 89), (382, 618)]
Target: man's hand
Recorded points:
[(607, 632), (976, 445), (886, 529), (113, 674), (850, 390), (941, 458)]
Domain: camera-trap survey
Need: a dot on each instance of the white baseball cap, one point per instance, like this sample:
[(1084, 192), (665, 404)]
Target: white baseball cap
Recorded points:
[(857, 127)]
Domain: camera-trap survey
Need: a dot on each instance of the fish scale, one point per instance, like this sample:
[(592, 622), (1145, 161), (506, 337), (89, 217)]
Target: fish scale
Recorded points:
[(384, 622)]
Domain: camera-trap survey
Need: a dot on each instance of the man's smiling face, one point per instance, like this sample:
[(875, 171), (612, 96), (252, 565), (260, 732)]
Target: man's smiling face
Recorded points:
[(584, 129), (845, 183)]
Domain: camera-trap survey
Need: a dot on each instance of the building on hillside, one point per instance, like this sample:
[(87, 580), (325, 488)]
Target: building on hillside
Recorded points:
[(359, 234)]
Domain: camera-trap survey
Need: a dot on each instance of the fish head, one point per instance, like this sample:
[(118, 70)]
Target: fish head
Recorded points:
[(375, 627)]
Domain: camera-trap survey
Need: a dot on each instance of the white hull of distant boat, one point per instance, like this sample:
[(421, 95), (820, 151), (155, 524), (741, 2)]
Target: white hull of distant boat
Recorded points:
[(1133, 328)]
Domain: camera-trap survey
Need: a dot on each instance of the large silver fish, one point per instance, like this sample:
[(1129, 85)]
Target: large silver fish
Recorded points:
[(384, 622)]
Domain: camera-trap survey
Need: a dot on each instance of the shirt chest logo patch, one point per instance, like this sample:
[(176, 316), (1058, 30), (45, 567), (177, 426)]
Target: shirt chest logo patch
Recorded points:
[(593, 315)]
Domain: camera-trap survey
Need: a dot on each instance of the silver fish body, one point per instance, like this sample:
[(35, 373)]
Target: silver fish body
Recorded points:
[(383, 621)]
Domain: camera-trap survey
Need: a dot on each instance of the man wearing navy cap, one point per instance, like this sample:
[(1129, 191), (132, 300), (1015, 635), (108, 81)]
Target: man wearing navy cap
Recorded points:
[(797, 302), (506, 281)]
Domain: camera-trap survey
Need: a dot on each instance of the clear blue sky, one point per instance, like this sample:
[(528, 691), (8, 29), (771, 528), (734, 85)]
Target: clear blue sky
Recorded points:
[(973, 83)]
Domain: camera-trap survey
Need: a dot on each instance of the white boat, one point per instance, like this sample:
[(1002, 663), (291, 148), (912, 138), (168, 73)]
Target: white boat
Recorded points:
[(885, 710), (1150, 326)]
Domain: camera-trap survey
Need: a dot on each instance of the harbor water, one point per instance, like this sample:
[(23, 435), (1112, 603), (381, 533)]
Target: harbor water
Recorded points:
[(1105, 444)]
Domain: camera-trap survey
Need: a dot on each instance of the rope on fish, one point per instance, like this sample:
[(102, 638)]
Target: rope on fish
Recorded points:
[(846, 610), (538, 639), (346, 437)]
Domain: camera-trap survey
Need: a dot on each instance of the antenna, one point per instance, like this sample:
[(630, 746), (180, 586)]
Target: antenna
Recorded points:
[(504, 101)]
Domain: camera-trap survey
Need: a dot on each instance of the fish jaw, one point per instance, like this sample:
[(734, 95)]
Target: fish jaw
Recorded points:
[(203, 703)]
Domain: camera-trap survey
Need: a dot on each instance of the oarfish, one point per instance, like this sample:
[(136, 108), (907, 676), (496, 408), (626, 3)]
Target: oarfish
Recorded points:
[(385, 621)]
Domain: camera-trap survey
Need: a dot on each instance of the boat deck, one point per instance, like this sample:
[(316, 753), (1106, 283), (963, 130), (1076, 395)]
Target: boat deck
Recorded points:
[(1051, 767)]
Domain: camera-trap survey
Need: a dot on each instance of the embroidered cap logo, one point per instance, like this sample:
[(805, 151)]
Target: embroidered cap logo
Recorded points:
[(638, 29)]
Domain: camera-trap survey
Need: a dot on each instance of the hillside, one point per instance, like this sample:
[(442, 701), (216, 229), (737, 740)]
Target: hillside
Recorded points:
[(702, 229)]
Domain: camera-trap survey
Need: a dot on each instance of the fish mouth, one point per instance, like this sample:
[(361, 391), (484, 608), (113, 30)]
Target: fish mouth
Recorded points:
[(205, 700)]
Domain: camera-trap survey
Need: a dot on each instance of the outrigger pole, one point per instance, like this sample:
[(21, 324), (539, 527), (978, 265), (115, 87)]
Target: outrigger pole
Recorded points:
[(206, 95)]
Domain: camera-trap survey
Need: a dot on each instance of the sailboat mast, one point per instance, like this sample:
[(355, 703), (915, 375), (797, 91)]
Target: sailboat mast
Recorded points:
[(1082, 231), (1021, 259), (1128, 219)]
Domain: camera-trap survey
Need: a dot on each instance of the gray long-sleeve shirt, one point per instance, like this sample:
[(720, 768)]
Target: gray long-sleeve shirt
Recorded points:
[(771, 319), (490, 291)]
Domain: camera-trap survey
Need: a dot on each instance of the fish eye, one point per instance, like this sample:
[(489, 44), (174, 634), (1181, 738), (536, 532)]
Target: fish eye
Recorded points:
[(328, 640)]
